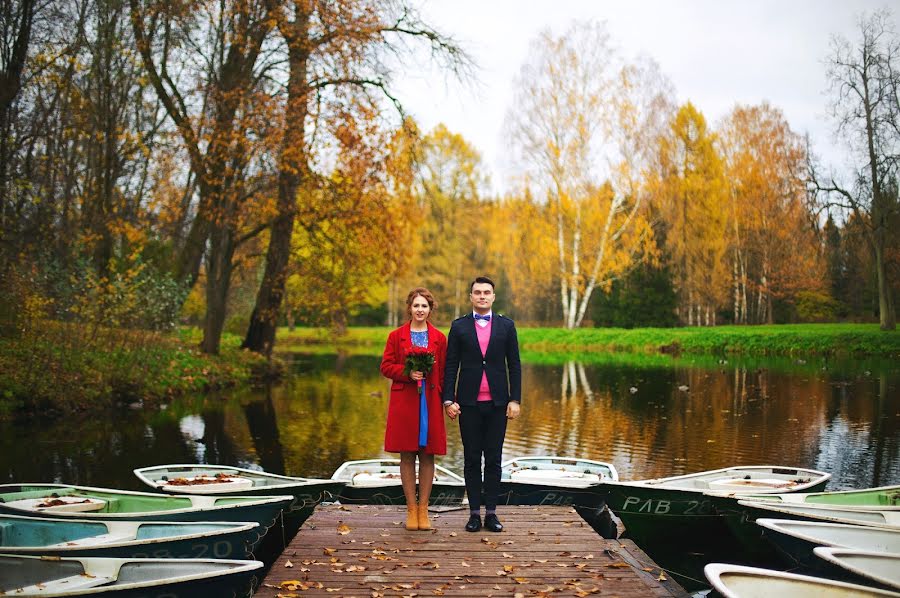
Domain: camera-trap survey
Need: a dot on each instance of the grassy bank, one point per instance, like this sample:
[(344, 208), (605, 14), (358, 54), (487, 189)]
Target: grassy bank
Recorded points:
[(795, 339), (69, 368)]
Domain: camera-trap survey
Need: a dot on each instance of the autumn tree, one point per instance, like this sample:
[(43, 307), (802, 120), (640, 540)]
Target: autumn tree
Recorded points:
[(694, 208), (864, 87), (347, 221), (450, 218), (332, 48), (210, 86), (772, 245), (575, 110)]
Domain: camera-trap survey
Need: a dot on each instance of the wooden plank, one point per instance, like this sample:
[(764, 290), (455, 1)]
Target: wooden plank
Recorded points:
[(364, 550)]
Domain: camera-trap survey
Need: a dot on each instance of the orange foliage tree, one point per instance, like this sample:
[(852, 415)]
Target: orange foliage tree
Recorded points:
[(773, 249)]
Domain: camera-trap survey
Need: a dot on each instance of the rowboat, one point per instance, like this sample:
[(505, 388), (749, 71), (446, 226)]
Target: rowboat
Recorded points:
[(377, 481), (676, 509), (221, 479), (884, 497), (82, 502), (127, 539), (562, 481), (126, 578), (866, 566), (795, 540), (737, 581), (740, 518)]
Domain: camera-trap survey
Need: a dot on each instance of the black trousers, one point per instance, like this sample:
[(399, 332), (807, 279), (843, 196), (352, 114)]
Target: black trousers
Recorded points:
[(483, 428)]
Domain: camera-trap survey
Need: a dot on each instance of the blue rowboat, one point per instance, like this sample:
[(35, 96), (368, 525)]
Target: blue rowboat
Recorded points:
[(737, 581), (377, 481), (81, 502), (28, 576), (561, 481), (128, 539)]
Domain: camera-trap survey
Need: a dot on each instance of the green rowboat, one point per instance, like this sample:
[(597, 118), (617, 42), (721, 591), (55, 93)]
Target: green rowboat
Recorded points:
[(127, 539), (82, 502), (675, 511)]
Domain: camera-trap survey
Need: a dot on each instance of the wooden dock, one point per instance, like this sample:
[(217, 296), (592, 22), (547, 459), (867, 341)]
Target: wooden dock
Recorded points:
[(366, 551)]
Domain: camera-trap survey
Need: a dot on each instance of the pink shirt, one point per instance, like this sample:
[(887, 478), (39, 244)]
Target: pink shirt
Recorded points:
[(484, 337)]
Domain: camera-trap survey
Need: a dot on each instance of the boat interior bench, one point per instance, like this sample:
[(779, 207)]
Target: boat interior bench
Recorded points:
[(96, 540), (40, 576), (73, 582), (70, 504)]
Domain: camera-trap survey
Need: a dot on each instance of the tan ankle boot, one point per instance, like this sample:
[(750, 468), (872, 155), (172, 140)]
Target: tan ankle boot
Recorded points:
[(424, 523), (412, 517)]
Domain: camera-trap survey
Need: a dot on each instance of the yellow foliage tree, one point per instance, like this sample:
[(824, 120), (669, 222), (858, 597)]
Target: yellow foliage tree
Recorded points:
[(577, 111), (693, 206)]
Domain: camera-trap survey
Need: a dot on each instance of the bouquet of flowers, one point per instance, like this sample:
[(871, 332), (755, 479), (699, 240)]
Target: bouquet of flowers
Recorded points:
[(418, 359)]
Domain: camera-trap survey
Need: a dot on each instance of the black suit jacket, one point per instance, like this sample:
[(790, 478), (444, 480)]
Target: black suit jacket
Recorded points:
[(465, 363)]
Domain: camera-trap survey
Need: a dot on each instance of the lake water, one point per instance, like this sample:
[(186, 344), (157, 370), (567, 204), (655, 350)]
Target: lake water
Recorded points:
[(649, 416)]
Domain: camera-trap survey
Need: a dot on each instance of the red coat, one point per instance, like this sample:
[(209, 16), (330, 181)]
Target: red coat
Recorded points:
[(402, 431)]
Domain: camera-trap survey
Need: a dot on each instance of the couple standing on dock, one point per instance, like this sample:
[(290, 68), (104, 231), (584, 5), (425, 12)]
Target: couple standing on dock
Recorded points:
[(476, 376)]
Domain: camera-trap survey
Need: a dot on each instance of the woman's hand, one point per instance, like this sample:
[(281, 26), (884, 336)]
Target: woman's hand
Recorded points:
[(416, 376), (452, 410)]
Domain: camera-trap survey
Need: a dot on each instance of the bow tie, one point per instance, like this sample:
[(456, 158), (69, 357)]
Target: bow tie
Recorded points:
[(486, 318)]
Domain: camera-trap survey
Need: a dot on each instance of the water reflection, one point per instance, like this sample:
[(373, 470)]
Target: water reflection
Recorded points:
[(648, 421)]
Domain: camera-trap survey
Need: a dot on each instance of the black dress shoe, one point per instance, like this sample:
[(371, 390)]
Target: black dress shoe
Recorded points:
[(492, 524), (474, 523)]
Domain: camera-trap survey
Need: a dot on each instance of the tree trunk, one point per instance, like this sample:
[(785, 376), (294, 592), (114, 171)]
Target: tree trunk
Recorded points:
[(293, 173), (10, 86), (886, 317), (218, 279)]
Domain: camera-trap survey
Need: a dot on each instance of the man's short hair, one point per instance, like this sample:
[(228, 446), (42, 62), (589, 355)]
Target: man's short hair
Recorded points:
[(481, 280)]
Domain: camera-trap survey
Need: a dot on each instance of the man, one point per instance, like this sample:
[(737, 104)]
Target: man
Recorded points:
[(483, 370)]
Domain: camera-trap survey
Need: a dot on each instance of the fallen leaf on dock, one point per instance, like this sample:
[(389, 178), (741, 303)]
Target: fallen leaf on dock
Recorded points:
[(288, 564)]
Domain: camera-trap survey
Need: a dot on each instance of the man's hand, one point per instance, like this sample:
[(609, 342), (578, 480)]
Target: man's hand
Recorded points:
[(452, 410), (512, 410)]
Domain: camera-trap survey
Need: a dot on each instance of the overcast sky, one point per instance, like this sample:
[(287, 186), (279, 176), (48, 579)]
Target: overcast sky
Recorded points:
[(717, 53)]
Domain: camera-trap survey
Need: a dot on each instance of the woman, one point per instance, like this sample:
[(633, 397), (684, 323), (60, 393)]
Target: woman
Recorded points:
[(403, 434)]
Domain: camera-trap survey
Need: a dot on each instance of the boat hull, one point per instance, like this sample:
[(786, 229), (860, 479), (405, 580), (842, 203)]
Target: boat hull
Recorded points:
[(442, 495)]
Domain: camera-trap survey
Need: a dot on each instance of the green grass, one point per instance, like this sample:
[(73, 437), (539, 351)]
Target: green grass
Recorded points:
[(789, 339), (66, 367)]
